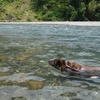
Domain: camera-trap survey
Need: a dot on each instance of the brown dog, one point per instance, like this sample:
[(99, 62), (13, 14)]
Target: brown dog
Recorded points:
[(73, 68)]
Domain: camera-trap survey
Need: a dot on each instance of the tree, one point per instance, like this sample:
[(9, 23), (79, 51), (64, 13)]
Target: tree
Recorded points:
[(94, 10), (72, 10)]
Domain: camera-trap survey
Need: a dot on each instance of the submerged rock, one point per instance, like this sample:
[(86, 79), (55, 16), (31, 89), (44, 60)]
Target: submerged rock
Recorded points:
[(3, 58), (32, 85), (0, 65), (69, 94), (18, 98), (22, 58), (4, 74), (35, 85), (1, 83)]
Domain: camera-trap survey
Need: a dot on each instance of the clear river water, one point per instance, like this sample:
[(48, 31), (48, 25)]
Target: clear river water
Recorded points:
[(25, 50)]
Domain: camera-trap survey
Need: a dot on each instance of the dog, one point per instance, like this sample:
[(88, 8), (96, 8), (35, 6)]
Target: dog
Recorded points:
[(75, 69)]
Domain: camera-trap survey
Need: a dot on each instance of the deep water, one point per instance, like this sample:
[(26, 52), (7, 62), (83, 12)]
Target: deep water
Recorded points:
[(24, 53)]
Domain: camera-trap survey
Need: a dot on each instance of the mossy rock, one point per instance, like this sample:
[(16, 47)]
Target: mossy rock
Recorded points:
[(4, 74), (0, 65), (3, 58), (1, 83), (32, 85), (35, 85), (69, 94), (6, 83), (22, 58), (18, 98)]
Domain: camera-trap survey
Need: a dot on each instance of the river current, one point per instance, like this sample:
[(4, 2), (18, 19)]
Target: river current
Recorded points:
[(25, 50)]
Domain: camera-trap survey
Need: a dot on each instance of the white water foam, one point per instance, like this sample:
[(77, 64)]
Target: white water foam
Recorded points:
[(76, 23)]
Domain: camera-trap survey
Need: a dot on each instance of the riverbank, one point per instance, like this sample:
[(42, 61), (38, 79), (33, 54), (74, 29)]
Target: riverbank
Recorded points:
[(54, 23)]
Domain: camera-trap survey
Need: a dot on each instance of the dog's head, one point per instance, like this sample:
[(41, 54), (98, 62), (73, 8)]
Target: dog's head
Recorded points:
[(65, 66), (58, 64)]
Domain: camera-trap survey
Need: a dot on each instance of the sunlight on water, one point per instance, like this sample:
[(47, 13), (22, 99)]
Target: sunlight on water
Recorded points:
[(24, 70)]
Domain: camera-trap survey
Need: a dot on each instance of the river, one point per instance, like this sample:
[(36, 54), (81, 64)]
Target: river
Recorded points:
[(25, 50)]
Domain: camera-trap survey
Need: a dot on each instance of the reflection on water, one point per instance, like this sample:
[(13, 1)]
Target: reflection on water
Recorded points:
[(24, 70)]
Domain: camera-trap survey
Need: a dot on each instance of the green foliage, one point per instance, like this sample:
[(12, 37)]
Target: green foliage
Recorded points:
[(92, 6), (49, 10), (63, 10), (9, 1), (94, 10), (16, 10)]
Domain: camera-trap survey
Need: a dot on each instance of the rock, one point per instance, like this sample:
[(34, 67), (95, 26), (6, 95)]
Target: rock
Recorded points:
[(3, 58), (4, 74), (1, 83), (0, 65), (69, 94), (22, 58), (18, 98), (6, 83), (35, 85), (32, 85)]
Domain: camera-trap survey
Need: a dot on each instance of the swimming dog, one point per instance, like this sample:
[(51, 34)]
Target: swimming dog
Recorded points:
[(75, 69)]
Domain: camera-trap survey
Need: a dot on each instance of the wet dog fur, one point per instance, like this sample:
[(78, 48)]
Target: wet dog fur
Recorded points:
[(75, 69)]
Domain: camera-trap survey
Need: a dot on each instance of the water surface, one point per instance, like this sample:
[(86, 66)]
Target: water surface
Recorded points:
[(24, 53)]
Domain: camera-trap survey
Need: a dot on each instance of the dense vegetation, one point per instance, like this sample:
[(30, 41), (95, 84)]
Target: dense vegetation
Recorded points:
[(16, 10), (50, 10)]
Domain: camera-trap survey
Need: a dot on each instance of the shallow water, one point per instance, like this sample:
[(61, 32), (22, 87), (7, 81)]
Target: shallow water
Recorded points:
[(24, 70)]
